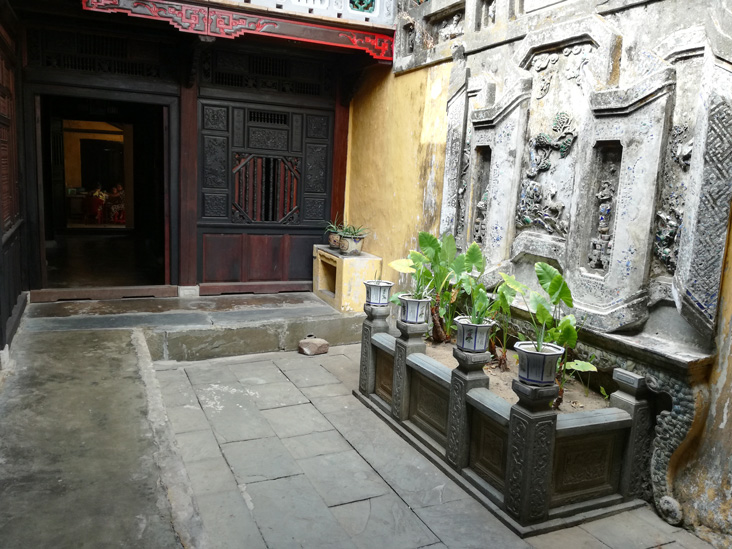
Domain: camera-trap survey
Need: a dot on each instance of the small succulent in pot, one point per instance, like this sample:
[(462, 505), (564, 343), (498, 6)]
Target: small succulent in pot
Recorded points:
[(333, 230), (352, 237)]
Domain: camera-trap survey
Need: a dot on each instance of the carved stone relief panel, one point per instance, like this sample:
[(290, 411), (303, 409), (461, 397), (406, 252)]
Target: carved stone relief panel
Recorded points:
[(608, 159)]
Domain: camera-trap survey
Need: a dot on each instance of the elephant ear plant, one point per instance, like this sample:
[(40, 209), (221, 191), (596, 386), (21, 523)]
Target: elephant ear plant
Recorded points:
[(432, 269), (501, 308), (550, 325)]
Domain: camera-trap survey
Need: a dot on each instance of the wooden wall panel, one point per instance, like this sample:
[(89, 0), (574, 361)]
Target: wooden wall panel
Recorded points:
[(222, 258)]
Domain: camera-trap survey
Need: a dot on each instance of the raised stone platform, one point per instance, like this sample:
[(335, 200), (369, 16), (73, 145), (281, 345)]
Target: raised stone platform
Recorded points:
[(206, 327)]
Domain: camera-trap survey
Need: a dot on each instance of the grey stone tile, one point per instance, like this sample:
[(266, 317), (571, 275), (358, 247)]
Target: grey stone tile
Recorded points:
[(310, 375), (571, 538), (275, 395), (232, 414), (316, 444), (320, 391), (384, 522), (635, 533), (206, 374), (198, 445), (296, 420), (176, 388), (687, 540), (342, 367), (342, 478), (294, 361), (467, 524), (258, 460), (228, 522), (648, 515), (435, 546), (209, 476), (329, 405), (184, 419), (257, 373), (286, 521), (409, 473)]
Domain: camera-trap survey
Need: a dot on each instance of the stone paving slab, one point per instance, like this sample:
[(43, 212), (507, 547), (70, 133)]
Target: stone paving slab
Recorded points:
[(227, 518), (257, 373), (296, 420), (275, 395), (258, 460), (384, 522), (343, 477), (316, 444), (290, 513), (311, 375)]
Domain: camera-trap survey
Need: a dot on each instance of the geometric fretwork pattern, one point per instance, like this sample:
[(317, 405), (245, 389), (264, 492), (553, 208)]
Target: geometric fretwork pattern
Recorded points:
[(703, 282)]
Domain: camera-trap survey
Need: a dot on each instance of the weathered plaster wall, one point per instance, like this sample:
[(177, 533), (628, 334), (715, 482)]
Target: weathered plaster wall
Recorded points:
[(396, 153), (704, 481)]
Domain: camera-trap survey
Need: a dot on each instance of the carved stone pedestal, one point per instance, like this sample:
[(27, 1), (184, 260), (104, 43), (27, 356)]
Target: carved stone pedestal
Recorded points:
[(375, 323), (635, 480), (531, 451), (468, 375), (410, 341)]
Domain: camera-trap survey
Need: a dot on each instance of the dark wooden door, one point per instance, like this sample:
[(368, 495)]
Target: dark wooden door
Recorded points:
[(11, 219), (264, 194)]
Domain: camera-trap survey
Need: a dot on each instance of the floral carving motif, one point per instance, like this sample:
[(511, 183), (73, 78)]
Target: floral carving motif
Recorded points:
[(365, 357), (546, 65), (516, 464), (457, 400)]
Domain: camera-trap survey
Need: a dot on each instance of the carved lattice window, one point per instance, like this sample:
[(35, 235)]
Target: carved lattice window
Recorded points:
[(363, 5), (265, 188), (85, 52)]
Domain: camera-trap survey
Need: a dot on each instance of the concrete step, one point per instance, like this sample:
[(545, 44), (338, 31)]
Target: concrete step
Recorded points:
[(205, 327)]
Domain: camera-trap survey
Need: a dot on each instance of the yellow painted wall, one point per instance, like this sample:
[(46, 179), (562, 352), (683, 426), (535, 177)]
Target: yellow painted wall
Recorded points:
[(398, 130), (72, 146)]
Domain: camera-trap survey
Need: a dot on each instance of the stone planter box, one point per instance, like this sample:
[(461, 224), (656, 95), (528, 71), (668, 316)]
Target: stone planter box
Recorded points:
[(526, 463)]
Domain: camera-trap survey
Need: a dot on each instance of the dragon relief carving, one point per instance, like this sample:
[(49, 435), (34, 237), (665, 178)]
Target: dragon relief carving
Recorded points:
[(539, 205)]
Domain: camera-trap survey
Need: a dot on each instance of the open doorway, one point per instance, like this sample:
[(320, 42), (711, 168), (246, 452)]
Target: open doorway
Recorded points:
[(104, 191)]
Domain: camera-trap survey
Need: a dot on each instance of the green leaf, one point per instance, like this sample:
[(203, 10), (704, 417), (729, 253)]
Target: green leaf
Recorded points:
[(402, 265), (559, 290), (514, 284), (474, 258), (580, 366), (566, 335), (418, 258), (429, 245), (449, 249), (541, 308), (458, 266), (545, 273)]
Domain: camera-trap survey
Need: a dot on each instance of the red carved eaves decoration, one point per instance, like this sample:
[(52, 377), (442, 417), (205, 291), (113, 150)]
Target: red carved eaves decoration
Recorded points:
[(230, 24)]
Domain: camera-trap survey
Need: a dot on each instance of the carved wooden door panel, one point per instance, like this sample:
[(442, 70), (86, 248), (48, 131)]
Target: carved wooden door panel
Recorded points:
[(11, 218), (264, 194)]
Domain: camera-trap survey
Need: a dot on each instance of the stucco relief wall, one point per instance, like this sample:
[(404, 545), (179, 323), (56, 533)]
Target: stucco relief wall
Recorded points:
[(595, 136), (395, 164)]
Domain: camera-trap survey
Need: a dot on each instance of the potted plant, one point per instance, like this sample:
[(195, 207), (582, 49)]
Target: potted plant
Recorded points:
[(554, 333), (333, 230), (474, 328), (352, 239), (415, 306), (377, 292)]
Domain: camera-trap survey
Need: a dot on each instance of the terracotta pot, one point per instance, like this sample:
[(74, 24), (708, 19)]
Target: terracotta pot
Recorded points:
[(414, 311), (334, 240), (473, 338), (377, 292), (351, 245), (538, 368)]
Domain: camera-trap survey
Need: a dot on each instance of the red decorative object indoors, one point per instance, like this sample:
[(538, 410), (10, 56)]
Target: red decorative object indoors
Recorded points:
[(230, 24)]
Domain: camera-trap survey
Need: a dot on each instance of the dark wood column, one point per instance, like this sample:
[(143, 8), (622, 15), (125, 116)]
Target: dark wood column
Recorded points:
[(188, 184), (340, 153)]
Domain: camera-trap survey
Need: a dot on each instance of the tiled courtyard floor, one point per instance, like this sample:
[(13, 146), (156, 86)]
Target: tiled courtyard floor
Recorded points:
[(280, 454), (100, 446)]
